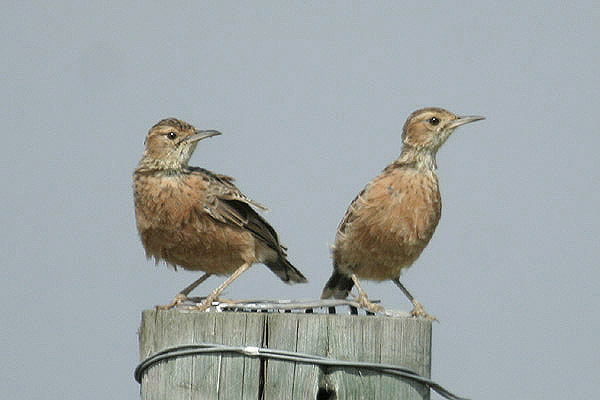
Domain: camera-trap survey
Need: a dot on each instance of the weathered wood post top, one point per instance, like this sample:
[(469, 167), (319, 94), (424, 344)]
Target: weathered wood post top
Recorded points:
[(215, 374)]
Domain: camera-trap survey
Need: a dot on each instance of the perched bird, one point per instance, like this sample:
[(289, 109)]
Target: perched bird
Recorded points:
[(196, 219), (389, 223)]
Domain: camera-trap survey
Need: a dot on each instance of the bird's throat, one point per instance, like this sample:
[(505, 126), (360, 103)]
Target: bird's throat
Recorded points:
[(423, 159)]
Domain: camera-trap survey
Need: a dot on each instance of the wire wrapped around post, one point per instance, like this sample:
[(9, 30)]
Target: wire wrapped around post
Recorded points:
[(275, 349), (253, 351)]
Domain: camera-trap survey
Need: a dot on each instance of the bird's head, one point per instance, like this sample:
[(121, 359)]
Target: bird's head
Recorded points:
[(428, 128), (171, 142)]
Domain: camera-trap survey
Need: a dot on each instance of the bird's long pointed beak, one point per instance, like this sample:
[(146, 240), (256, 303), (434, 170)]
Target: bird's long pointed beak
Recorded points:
[(199, 135), (465, 120)]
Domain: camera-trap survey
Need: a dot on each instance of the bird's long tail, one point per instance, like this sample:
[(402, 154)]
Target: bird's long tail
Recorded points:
[(338, 286), (285, 270)]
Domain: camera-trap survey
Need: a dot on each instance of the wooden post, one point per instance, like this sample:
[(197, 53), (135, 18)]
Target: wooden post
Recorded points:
[(390, 340)]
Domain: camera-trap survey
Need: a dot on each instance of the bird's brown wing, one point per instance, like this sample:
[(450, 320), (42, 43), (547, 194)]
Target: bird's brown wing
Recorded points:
[(227, 204), (360, 201), (223, 185), (340, 283), (357, 203)]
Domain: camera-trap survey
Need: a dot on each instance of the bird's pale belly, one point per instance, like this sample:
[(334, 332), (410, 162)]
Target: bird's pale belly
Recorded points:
[(380, 251), (383, 259), (201, 247)]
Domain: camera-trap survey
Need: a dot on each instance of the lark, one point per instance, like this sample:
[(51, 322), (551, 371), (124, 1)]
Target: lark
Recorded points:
[(391, 221), (193, 218)]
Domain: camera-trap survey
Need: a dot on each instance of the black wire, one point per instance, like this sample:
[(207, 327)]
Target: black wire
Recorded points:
[(205, 348)]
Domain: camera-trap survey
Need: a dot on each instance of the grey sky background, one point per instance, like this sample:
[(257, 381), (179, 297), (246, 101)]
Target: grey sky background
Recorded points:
[(311, 98)]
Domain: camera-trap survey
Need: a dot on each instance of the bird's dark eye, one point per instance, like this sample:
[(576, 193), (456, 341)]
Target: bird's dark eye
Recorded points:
[(433, 121), (171, 135)]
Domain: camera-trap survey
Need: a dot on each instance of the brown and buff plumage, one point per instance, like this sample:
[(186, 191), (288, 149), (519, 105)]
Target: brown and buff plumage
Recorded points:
[(390, 222), (196, 219)]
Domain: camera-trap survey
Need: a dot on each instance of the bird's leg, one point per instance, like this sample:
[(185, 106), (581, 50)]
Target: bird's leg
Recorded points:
[(418, 310), (362, 298), (215, 293), (182, 296)]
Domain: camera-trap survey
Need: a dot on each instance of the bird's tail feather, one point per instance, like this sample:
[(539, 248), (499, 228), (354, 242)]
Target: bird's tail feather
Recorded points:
[(285, 270), (338, 286)]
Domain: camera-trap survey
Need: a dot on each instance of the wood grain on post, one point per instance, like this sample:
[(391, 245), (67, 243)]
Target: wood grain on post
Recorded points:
[(391, 340)]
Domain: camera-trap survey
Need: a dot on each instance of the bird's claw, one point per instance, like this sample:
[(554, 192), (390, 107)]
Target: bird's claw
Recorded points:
[(179, 299), (205, 305), (419, 311), (363, 302)]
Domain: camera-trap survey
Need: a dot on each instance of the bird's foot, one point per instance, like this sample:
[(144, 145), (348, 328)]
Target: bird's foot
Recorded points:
[(363, 300), (205, 305), (179, 299), (419, 311), (214, 295), (364, 303)]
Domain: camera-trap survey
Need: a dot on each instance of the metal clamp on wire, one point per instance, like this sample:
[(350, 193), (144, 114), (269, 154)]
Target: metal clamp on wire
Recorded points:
[(252, 351)]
